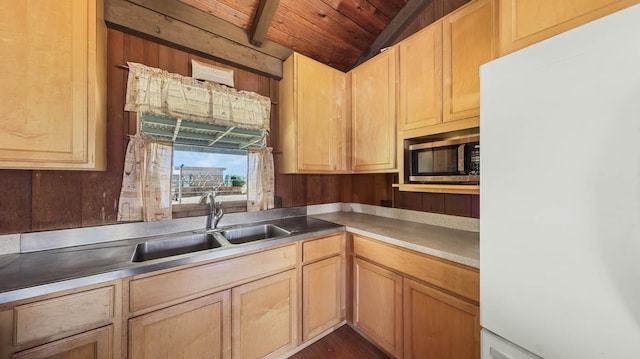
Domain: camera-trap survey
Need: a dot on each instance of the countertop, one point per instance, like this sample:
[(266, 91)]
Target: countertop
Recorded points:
[(451, 244), (43, 272)]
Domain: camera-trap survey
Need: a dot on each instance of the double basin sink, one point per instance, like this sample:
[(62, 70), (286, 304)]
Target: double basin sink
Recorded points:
[(201, 241)]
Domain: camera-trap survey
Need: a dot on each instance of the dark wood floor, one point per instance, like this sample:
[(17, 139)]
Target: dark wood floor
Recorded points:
[(343, 343)]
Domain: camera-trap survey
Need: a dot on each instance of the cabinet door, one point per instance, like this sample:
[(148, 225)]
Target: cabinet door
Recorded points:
[(377, 307), (265, 321), (53, 85), (468, 42), (438, 325), (420, 79), (314, 131), (373, 86), (525, 22), (94, 344), (322, 296), (321, 117), (200, 328)]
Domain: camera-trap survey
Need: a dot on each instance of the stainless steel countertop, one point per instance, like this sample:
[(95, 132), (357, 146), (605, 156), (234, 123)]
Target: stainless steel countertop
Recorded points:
[(37, 273), (43, 272)]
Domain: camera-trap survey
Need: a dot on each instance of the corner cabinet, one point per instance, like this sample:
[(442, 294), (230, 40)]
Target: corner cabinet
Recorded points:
[(377, 295), (323, 285), (314, 132), (373, 114), (439, 82), (413, 305), (531, 21), (53, 89)]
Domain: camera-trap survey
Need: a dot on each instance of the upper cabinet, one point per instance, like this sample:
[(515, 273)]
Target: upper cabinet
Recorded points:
[(439, 82), (420, 79), (53, 88), (373, 115), (468, 42), (525, 22), (314, 122)]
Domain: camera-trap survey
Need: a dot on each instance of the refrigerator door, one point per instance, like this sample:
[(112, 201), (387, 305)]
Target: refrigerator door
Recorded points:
[(560, 194), (494, 347)]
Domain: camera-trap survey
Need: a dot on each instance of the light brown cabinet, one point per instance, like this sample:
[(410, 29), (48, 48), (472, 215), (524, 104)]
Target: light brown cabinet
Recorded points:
[(420, 79), (94, 344), (264, 317), (525, 22), (200, 328), (373, 114), (468, 41), (413, 305), (439, 81), (323, 285), (438, 325), (53, 88), (377, 295), (80, 323), (314, 121)]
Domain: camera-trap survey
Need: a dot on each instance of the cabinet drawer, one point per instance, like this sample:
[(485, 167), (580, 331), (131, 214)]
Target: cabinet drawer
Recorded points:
[(449, 276), (322, 247), (80, 311), (170, 287)]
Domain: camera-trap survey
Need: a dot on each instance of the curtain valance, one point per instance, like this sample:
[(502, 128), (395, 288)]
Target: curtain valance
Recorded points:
[(159, 92)]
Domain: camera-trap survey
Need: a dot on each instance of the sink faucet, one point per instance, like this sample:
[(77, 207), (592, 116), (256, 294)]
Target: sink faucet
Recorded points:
[(216, 213)]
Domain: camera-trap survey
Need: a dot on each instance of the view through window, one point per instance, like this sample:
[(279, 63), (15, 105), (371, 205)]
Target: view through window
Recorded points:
[(196, 173)]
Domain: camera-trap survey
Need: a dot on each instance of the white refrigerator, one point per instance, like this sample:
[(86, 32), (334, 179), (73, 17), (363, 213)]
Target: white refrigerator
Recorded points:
[(560, 196)]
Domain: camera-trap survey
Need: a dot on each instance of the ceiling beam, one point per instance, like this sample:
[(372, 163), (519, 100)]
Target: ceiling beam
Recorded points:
[(396, 26), (262, 21), (213, 24), (125, 15)]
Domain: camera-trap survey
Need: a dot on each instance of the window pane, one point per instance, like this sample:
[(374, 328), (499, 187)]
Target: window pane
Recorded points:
[(196, 173)]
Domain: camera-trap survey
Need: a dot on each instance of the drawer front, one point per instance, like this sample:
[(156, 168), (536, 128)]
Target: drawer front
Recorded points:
[(168, 288), (322, 247), (80, 311), (455, 278)]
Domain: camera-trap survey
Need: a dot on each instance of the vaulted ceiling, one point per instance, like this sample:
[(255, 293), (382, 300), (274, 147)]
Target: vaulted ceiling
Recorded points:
[(260, 34)]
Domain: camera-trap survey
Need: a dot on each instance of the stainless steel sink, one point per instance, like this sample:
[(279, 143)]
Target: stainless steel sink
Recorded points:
[(161, 248), (255, 233)]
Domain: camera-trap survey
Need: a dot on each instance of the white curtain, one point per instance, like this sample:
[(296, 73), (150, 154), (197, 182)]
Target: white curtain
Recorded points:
[(146, 181), (157, 91), (260, 179)]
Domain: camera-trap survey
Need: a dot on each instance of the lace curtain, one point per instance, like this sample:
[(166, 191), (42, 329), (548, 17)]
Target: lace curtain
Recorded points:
[(146, 181), (157, 91), (261, 183)]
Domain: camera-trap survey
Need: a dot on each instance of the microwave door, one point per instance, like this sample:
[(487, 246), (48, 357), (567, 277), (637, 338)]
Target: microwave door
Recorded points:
[(425, 163), (445, 161)]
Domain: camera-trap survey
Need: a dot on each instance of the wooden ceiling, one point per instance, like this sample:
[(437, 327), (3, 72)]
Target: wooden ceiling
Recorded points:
[(335, 32), (260, 34)]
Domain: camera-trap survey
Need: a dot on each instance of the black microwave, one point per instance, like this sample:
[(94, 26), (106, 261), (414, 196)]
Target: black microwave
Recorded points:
[(455, 160)]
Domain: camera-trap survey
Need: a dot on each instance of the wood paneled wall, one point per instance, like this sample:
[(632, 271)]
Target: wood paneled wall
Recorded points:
[(46, 200), (35, 200)]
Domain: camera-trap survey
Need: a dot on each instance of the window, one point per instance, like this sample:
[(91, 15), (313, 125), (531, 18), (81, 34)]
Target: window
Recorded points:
[(206, 157)]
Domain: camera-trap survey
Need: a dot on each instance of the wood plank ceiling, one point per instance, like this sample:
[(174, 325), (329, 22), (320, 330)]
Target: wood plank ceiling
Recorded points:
[(339, 33), (335, 32)]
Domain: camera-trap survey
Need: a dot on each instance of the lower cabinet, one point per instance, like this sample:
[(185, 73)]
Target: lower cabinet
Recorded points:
[(94, 344), (438, 325), (264, 317), (415, 306), (322, 296), (83, 322), (200, 328), (378, 305)]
